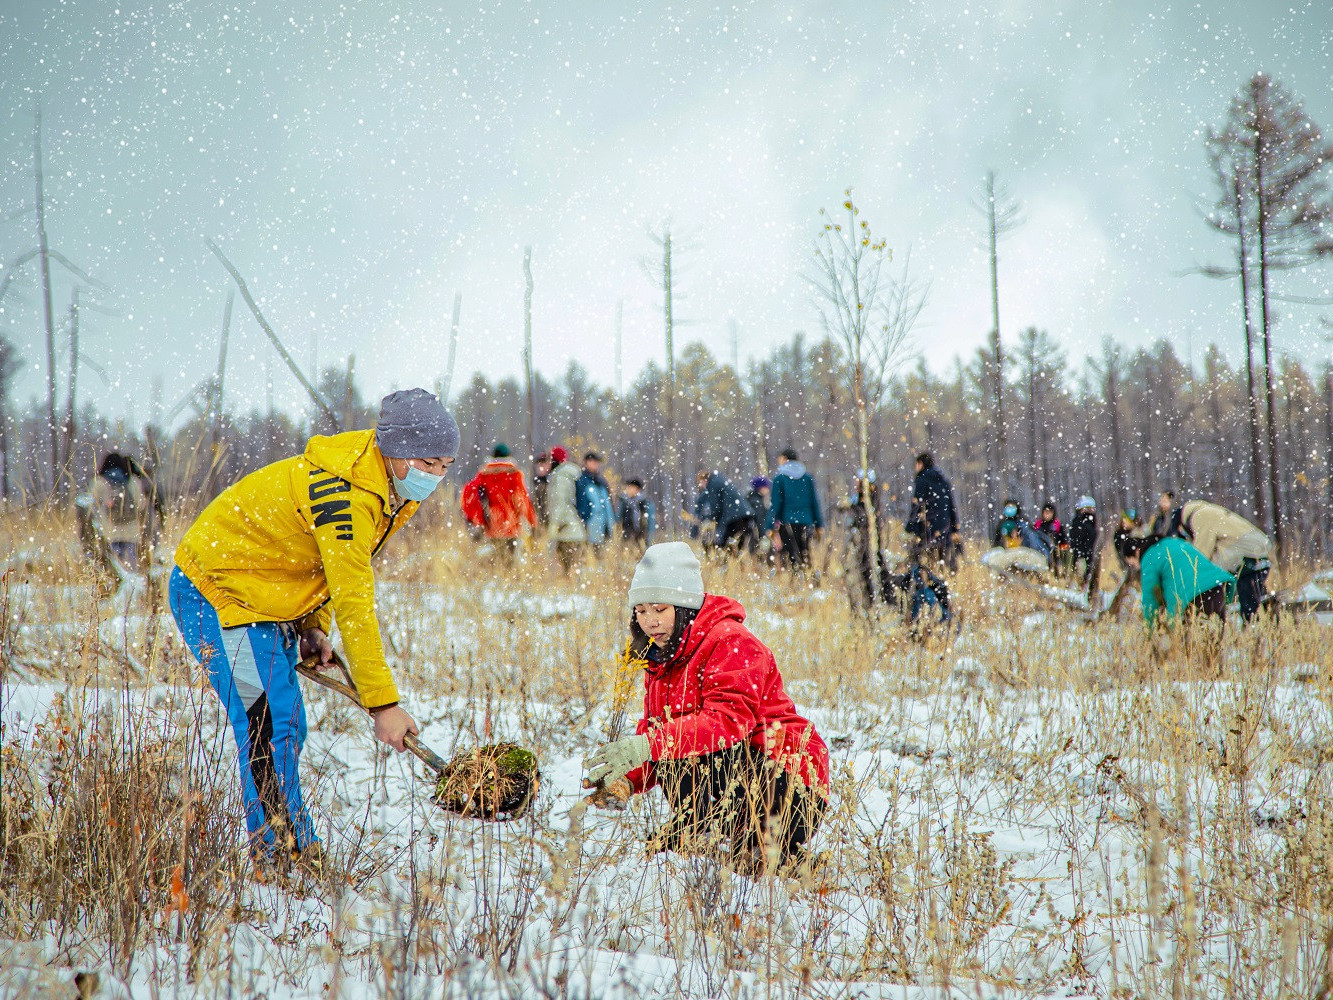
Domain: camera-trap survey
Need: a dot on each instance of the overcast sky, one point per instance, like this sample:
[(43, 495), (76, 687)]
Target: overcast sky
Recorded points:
[(360, 162)]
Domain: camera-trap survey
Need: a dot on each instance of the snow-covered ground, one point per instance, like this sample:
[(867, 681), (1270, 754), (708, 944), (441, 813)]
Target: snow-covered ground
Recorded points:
[(1041, 809)]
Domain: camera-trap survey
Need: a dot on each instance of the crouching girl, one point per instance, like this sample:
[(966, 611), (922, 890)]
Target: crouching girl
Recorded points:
[(737, 763)]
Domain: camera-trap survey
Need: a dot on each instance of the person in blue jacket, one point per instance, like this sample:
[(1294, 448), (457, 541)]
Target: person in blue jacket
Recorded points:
[(719, 501), (1176, 580), (794, 511), (592, 498)]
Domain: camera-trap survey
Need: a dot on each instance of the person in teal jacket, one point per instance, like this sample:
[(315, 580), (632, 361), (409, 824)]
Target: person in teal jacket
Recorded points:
[(794, 511), (1177, 578)]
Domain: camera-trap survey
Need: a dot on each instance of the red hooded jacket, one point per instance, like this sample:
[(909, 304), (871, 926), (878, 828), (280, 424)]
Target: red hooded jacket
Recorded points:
[(722, 687), (505, 495)]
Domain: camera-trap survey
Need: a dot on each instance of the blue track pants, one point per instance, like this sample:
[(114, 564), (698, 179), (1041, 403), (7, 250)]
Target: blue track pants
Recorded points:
[(253, 670)]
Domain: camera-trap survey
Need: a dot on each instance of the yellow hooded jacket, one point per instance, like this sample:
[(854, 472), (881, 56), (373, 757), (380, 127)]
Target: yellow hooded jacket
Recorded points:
[(292, 542)]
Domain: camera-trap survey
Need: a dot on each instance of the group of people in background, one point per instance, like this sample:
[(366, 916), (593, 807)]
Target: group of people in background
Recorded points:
[(778, 520), (1191, 559), (1195, 558)]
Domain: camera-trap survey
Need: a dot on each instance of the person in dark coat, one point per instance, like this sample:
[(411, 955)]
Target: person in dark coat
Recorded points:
[(933, 518), (541, 481), (1083, 536), (637, 515), (794, 512), (719, 501), (761, 489), (1166, 522)]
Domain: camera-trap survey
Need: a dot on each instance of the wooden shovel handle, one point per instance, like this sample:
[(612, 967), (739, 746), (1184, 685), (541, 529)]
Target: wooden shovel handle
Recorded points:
[(309, 667), (424, 753)]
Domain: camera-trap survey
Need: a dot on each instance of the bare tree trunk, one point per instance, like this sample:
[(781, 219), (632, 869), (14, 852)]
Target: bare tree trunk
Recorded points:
[(868, 491), (620, 343), (997, 348), (760, 442), (453, 349), (1032, 425), (67, 458), (527, 351), (1274, 475), (348, 417), (44, 257), (675, 490), (4, 449), (1328, 458), (1252, 400), (215, 444), (1117, 451), (319, 400)]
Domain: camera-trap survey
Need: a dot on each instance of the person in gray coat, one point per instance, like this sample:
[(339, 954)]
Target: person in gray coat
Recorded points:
[(566, 527)]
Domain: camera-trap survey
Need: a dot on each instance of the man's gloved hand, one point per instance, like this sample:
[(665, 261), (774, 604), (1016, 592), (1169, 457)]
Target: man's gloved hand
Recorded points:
[(612, 761)]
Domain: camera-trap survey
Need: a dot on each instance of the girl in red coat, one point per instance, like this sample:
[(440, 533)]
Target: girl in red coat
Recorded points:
[(719, 733)]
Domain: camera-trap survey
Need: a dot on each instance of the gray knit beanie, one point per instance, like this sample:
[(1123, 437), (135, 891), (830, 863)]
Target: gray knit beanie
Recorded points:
[(414, 424), (668, 573)]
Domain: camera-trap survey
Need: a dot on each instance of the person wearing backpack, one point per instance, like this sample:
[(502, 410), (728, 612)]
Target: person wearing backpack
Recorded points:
[(119, 507), (496, 501)]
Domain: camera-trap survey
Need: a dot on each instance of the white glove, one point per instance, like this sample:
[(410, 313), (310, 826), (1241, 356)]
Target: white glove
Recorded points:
[(614, 760)]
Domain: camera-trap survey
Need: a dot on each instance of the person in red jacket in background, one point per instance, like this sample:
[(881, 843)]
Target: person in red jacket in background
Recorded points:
[(496, 501), (719, 733)]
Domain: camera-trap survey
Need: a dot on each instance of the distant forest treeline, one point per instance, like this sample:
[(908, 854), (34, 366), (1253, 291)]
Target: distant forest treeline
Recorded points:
[(1122, 426), (1016, 420)]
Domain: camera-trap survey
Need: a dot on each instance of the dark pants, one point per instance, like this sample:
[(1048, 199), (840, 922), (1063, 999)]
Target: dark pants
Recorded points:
[(928, 591), (569, 554), (796, 544), (740, 796), (1211, 602), (1251, 586), (933, 550), (742, 531)]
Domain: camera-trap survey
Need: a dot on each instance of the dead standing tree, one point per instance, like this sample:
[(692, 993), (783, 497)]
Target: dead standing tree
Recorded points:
[(44, 254), (868, 319), (1282, 215), (527, 351), (10, 365), (443, 388), (215, 399), (662, 272), (1003, 215), (319, 400), (1230, 216)]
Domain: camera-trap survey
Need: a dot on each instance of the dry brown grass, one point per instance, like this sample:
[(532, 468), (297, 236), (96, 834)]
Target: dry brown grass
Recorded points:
[(1042, 806)]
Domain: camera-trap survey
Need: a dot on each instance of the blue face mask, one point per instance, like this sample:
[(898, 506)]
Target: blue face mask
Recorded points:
[(1010, 510), (416, 485)]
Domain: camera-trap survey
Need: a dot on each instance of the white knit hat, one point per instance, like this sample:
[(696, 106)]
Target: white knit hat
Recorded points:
[(668, 573)]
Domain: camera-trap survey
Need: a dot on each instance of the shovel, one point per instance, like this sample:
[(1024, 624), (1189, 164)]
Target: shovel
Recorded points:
[(491, 782), (309, 667)]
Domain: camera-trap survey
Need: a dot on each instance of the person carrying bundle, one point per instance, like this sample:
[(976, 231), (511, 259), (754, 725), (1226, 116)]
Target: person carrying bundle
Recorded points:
[(719, 734), (1234, 544)]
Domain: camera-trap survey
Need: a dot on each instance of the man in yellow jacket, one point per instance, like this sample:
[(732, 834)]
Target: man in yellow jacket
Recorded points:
[(270, 563)]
